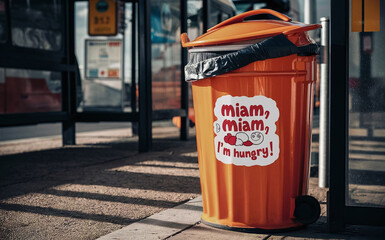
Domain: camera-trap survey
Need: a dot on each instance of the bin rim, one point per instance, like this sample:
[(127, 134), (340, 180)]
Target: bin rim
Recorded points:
[(218, 34), (218, 48)]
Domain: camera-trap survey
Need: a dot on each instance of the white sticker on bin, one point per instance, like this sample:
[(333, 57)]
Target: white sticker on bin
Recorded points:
[(245, 130)]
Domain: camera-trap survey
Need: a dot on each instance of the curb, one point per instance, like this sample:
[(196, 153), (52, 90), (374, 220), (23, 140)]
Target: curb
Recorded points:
[(163, 224)]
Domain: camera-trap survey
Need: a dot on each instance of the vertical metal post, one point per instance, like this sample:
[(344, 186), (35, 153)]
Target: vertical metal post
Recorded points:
[(206, 14), (184, 98), (310, 15), (339, 45), (133, 57), (68, 78), (310, 11), (145, 95), (69, 106), (123, 92), (323, 163), (133, 63)]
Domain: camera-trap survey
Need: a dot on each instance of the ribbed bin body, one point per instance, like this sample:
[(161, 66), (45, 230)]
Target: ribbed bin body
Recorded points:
[(246, 183)]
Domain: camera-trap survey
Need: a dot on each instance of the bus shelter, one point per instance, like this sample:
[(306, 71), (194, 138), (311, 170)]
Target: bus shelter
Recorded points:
[(54, 67)]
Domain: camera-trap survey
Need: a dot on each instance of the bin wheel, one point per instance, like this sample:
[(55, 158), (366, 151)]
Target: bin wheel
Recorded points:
[(307, 209)]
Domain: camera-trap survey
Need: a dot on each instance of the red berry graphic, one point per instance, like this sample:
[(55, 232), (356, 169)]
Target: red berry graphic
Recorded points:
[(227, 138), (232, 140)]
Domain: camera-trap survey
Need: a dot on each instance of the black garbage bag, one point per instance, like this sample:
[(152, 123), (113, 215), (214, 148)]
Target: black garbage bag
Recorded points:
[(209, 64)]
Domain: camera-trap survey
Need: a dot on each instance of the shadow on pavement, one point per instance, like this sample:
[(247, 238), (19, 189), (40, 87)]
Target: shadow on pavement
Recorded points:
[(106, 183)]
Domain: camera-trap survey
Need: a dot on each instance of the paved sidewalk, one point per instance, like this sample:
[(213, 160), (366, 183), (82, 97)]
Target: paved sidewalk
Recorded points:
[(94, 188), (103, 188), (183, 222)]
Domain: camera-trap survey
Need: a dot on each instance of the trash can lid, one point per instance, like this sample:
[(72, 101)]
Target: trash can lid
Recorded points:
[(238, 29)]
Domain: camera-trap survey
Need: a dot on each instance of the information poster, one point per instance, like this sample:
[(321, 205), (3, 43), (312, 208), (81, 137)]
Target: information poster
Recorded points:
[(104, 59)]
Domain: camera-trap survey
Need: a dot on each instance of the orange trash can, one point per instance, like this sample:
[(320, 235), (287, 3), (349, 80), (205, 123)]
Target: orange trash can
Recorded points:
[(252, 86)]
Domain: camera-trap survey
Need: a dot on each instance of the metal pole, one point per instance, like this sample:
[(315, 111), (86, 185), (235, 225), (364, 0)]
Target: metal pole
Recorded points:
[(309, 11), (184, 86), (339, 72), (68, 78), (145, 77), (324, 133), (206, 15), (123, 92), (310, 15), (134, 56)]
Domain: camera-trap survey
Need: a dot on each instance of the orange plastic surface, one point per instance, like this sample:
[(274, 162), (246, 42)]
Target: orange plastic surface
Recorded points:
[(177, 121), (236, 29), (241, 17), (372, 16), (258, 196), (356, 16)]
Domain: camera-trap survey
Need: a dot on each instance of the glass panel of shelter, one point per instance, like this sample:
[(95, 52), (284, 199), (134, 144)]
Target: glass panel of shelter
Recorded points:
[(105, 68), (194, 18), (27, 91), (366, 159), (195, 24), (166, 54), (194, 30), (36, 24), (33, 25)]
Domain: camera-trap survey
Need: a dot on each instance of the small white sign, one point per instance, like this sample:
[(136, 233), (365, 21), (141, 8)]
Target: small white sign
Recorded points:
[(104, 59)]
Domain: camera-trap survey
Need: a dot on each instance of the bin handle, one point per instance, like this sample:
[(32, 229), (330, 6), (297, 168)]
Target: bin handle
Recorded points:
[(184, 38), (241, 17)]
